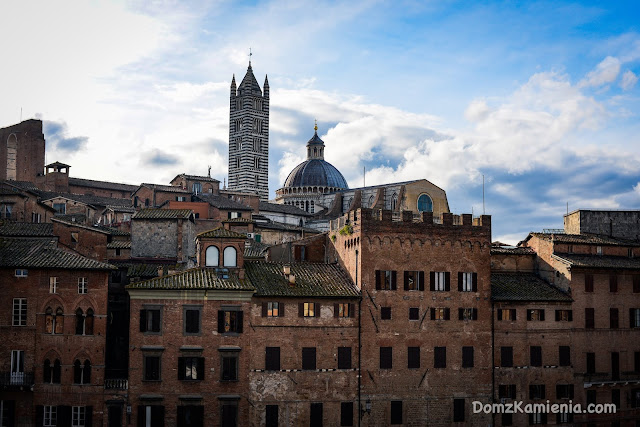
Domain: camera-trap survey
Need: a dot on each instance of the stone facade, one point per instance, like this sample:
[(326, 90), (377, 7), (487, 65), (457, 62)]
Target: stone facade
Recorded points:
[(22, 151)]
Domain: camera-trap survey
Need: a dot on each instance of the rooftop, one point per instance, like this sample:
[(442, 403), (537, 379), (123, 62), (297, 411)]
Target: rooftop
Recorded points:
[(222, 202), (311, 280), (163, 214), (524, 287), (594, 239), (286, 209), (160, 187), (196, 178), (599, 261), (221, 232), (102, 184), (26, 229), (43, 253), (194, 279)]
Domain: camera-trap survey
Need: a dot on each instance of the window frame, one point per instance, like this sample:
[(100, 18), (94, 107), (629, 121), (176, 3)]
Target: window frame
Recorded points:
[(468, 357), (229, 373), (186, 365), (386, 358), (185, 319), (413, 280), (53, 284), (19, 312), (344, 356), (145, 367), (83, 285), (148, 328), (230, 320), (440, 357), (309, 358), (413, 357), (271, 362), (386, 280)]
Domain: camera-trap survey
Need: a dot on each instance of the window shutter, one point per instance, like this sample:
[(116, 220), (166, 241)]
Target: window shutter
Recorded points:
[(265, 308), (200, 368), (460, 313), (64, 416), (220, 321), (542, 314), (570, 315), (459, 281), (557, 315), (335, 309), (513, 314), (56, 371), (316, 310), (300, 309), (406, 280), (394, 280), (529, 314), (499, 314), (474, 282), (157, 415), (143, 320), (39, 415), (447, 281), (351, 310), (570, 391), (239, 316), (378, 280), (433, 313), (432, 280), (421, 280), (280, 309), (181, 368), (141, 416), (636, 283), (446, 314), (155, 321), (631, 313), (475, 314), (88, 416)]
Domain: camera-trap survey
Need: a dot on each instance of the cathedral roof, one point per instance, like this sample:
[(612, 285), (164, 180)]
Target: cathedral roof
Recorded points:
[(249, 85), (315, 172)]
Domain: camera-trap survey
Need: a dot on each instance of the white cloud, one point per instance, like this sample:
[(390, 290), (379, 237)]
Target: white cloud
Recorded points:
[(629, 80), (605, 72)]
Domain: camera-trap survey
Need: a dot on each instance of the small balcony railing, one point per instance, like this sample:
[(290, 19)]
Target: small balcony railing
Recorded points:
[(16, 380), (116, 384)]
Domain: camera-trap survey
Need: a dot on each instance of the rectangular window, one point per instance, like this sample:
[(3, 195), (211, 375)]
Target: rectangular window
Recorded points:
[(181, 198), (440, 313), (308, 309), (151, 368), (342, 310), (537, 418), (439, 281), (507, 391), (386, 357), (150, 415), (535, 314), (19, 312), (191, 316), (190, 415), (346, 413), (78, 416), (229, 366), (588, 282), (535, 355), (272, 359), (467, 357), (636, 283), (536, 391), (458, 410), (82, 285), (385, 313), (591, 363), (589, 318), (564, 315), (21, 272), (315, 415), (60, 208), (564, 355), (36, 218), (413, 356), (414, 280), (564, 418), (191, 368), (386, 280), (591, 397), (564, 391), (634, 317), (396, 412), (613, 318), (150, 320), (636, 361), (507, 420), (229, 321), (467, 282), (613, 283), (615, 397), (507, 314), (272, 309), (309, 358), (50, 417), (615, 366), (271, 416), (344, 357), (599, 250), (53, 285), (414, 313), (468, 314), (440, 357), (506, 357)]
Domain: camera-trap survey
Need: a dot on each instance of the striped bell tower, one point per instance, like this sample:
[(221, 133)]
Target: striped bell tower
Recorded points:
[(249, 136)]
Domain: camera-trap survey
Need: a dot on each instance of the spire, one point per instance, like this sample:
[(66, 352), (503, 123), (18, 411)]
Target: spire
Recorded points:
[(233, 85), (315, 146), (266, 87)]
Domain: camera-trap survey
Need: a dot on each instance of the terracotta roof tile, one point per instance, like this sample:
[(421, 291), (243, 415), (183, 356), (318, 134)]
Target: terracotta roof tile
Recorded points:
[(194, 279), (163, 214), (222, 232), (26, 229), (43, 253), (524, 287), (599, 261)]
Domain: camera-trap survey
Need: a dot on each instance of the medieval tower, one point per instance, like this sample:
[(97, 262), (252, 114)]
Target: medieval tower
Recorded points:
[(249, 136)]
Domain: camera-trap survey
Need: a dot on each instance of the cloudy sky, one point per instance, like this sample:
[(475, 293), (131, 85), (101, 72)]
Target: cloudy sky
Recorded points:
[(540, 98)]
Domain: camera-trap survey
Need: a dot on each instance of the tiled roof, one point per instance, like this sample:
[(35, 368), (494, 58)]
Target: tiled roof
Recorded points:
[(112, 230), (119, 244), (222, 232), (165, 188), (43, 253), (60, 220), (222, 202), (163, 214), (57, 163), (197, 178), (597, 239), (312, 280), (501, 250), (102, 184), (143, 270), (287, 209), (23, 185), (127, 209), (253, 249), (599, 261), (194, 279), (26, 229), (524, 287), (86, 199), (271, 225), (240, 220)]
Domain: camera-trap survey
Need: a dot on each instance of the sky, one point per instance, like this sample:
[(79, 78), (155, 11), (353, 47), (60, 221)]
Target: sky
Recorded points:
[(540, 99)]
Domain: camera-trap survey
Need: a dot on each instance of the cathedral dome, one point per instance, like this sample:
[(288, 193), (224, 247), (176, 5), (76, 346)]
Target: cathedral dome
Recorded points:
[(315, 172)]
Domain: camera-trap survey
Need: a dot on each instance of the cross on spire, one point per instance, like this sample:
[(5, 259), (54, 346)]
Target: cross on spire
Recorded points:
[(250, 54), (316, 126)]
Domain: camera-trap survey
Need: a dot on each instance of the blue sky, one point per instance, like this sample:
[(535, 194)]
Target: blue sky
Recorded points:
[(539, 97)]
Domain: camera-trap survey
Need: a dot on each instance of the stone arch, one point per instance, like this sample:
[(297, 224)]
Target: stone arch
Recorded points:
[(212, 256), (230, 257)]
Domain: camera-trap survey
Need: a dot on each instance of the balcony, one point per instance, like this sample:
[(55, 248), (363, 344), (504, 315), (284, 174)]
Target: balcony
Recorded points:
[(16, 380), (116, 384)]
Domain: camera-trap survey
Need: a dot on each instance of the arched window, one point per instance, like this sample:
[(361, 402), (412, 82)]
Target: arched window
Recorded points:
[(88, 322), (54, 323), (371, 199), (229, 257), (46, 372), (394, 201), (51, 373), (212, 257), (79, 322), (425, 204), (81, 372)]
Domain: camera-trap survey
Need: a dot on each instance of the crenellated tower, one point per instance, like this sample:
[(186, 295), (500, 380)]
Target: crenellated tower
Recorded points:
[(249, 136)]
